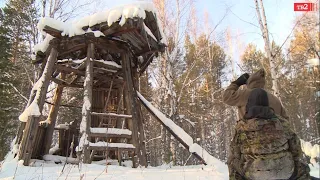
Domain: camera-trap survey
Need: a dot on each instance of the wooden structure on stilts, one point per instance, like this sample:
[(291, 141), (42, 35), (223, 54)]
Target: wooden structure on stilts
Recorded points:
[(104, 60)]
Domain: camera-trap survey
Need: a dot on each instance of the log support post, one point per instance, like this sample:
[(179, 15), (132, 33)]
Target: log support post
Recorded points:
[(131, 106), (87, 105), (32, 125), (52, 118)]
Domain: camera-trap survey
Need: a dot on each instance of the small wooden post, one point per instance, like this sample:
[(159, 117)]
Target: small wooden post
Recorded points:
[(53, 116), (87, 104), (32, 125), (132, 103)]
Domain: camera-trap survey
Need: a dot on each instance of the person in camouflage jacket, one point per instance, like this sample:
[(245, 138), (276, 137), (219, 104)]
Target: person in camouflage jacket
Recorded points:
[(236, 96), (264, 146)]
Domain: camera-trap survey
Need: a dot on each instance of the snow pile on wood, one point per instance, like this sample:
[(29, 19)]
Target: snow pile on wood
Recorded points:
[(115, 145), (210, 160), (54, 149), (118, 14), (43, 46), (111, 131), (110, 63), (32, 110), (168, 122), (193, 147)]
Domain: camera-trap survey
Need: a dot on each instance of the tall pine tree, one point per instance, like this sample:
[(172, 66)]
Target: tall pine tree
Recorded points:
[(8, 97)]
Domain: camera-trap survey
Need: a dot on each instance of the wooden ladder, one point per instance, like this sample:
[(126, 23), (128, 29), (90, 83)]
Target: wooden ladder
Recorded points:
[(107, 137)]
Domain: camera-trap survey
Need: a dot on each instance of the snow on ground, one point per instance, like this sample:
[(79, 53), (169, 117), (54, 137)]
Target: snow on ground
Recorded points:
[(49, 170)]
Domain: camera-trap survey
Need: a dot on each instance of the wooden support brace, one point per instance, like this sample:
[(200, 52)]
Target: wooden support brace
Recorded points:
[(30, 131), (53, 113), (131, 101)]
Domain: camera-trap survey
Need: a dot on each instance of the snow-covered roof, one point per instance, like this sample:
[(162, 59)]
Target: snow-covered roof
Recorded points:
[(132, 28), (119, 15), (136, 23)]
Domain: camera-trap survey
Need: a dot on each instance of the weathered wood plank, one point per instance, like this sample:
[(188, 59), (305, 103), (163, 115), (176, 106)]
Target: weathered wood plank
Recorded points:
[(104, 135), (111, 115), (69, 69), (64, 83), (103, 148), (53, 32)]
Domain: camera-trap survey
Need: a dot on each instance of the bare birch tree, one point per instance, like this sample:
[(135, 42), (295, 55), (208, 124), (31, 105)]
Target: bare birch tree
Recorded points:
[(267, 46)]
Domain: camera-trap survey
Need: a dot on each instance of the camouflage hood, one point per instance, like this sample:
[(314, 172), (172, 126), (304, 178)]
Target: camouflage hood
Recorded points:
[(257, 80)]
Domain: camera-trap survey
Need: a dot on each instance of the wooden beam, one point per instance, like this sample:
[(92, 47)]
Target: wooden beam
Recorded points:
[(131, 98), (64, 105), (111, 115), (69, 69), (53, 114), (64, 83), (87, 102), (103, 148), (104, 135), (27, 145), (72, 49), (171, 131), (146, 64), (139, 121), (53, 32)]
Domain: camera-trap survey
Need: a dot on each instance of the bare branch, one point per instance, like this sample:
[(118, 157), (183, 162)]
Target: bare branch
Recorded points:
[(20, 94)]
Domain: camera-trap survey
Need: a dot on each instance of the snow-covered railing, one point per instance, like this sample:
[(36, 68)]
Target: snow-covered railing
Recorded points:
[(184, 138)]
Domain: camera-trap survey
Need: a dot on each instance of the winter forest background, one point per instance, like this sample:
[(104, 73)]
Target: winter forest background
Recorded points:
[(186, 82)]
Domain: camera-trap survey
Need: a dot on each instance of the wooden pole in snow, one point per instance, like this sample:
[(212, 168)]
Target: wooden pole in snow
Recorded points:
[(52, 118), (131, 102), (31, 128), (87, 104)]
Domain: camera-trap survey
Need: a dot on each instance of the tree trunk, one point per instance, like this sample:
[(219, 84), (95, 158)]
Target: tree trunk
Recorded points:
[(267, 46)]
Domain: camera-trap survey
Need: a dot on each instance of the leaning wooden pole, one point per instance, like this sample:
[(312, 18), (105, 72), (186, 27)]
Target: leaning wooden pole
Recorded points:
[(87, 105), (53, 114), (31, 128)]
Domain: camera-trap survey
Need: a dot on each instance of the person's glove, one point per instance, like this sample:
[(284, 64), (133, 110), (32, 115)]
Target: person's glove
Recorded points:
[(242, 79)]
